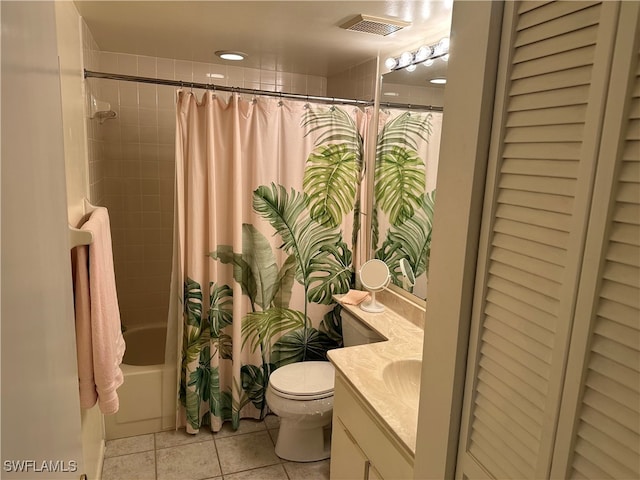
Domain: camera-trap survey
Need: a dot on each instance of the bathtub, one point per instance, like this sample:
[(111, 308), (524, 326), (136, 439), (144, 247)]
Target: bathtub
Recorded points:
[(148, 394)]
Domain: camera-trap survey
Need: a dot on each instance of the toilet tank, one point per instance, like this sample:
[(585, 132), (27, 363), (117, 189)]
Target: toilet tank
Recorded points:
[(354, 332)]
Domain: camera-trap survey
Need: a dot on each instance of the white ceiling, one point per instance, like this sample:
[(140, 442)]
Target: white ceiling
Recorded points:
[(292, 36)]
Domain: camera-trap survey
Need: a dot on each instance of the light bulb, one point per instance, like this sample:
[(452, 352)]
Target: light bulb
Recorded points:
[(428, 63), (442, 47), (422, 54), (445, 58), (231, 55), (390, 63), (411, 68), (405, 59)]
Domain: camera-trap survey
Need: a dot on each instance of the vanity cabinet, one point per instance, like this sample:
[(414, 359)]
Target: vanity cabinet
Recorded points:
[(361, 446)]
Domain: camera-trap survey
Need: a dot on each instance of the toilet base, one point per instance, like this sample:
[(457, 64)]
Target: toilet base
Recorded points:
[(303, 444)]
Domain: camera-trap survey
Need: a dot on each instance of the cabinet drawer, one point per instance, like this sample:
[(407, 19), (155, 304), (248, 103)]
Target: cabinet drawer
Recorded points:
[(388, 458)]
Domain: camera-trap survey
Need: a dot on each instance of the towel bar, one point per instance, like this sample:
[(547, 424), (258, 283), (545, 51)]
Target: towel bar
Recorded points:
[(78, 236)]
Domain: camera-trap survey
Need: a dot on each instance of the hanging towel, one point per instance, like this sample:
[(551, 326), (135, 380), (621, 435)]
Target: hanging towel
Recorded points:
[(100, 345), (84, 345)]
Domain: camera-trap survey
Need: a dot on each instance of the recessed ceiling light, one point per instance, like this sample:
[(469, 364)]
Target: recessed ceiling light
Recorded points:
[(231, 55), (214, 75), (438, 81)]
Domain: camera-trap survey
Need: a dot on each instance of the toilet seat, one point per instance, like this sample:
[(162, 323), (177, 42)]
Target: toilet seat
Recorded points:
[(303, 381)]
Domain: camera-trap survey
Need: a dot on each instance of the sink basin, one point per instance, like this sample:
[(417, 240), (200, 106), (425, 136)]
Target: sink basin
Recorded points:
[(402, 377)]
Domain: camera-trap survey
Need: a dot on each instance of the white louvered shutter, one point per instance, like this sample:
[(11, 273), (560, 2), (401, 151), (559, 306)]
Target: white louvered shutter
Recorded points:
[(599, 431), (552, 78)]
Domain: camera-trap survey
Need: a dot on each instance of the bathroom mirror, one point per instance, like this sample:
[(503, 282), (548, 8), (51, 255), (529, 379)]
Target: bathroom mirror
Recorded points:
[(374, 276), (405, 175), (402, 186)]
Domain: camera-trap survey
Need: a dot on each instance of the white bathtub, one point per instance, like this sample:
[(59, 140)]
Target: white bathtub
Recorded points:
[(148, 395)]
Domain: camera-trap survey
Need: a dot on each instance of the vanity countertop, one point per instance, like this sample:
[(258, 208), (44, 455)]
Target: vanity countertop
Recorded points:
[(362, 367)]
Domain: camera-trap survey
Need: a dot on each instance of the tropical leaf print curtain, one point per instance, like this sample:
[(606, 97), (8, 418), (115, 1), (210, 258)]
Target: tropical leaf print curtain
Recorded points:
[(404, 192), (267, 226)]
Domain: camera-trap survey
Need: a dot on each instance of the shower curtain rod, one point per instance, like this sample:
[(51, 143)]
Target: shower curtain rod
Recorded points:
[(251, 91)]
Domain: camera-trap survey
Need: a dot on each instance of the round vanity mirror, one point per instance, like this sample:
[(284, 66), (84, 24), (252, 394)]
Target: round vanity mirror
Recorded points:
[(408, 277), (374, 276)]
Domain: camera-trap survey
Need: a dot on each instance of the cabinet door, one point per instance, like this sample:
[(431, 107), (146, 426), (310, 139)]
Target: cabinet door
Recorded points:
[(551, 88), (348, 462), (599, 429)]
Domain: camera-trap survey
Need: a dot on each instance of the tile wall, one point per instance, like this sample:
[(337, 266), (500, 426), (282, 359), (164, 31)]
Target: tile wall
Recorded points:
[(95, 141), (356, 82)]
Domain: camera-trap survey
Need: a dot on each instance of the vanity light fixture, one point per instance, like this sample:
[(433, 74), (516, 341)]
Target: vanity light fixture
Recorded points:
[(231, 55), (426, 54), (438, 81)]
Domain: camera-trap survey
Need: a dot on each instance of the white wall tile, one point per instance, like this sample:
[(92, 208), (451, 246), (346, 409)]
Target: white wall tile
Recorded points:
[(147, 66), (267, 77), (128, 94), (147, 97), (148, 135), (166, 96), (109, 62), (184, 70), (127, 64), (130, 134), (128, 115), (235, 76), (200, 71), (166, 68), (148, 116)]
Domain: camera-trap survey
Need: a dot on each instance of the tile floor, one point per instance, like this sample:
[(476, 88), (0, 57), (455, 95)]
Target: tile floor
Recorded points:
[(245, 454)]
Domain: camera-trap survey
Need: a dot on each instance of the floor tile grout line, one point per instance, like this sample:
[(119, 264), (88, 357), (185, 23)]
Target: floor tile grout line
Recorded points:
[(129, 453), (155, 455), (256, 468), (183, 444), (215, 445)]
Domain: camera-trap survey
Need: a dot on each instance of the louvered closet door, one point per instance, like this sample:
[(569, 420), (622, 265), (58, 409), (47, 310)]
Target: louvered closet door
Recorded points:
[(599, 430), (553, 71)]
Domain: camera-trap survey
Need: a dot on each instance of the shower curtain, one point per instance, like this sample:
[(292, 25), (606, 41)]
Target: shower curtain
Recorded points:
[(267, 230)]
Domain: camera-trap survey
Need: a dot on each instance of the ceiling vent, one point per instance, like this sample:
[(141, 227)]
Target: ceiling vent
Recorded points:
[(375, 25)]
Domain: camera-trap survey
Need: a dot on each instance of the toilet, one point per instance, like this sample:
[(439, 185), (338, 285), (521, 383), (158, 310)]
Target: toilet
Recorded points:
[(301, 394)]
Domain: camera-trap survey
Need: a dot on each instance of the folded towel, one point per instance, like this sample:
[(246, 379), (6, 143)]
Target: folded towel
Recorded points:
[(354, 297), (100, 352)]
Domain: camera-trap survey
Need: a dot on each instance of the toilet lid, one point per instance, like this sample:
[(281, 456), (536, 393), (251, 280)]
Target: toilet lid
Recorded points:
[(304, 379)]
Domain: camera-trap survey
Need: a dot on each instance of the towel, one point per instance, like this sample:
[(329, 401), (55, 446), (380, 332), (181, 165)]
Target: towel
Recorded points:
[(354, 297), (100, 345), (84, 345)]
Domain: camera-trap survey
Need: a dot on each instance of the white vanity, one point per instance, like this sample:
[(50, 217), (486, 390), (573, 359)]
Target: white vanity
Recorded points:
[(376, 400)]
